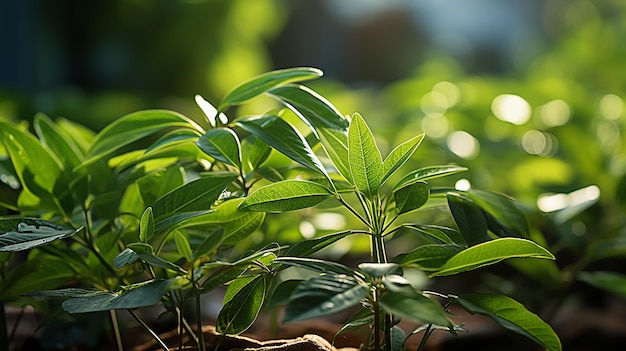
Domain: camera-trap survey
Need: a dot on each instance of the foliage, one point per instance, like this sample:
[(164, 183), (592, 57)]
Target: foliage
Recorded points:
[(151, 209)]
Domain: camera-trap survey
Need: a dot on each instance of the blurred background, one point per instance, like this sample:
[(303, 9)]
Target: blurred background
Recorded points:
[(529, 95)]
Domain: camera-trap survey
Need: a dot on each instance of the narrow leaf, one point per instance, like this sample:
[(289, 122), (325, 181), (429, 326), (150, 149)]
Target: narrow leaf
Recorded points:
[(504, 218), (469, 218), (491, 252), (136, 126), (309, 246), (411, 197), (513, 316), (398, 156), (146, 226), (402, 300), (315, 265), (311, 107), (287, 195), (335, 143), (139, 295), (182, 244), (197, 195), (38, 171), (124, 258), (222, 144), (283, 137), (262, 83), (54, 138), (429, 257), (428, 173), (323, 295), (441, 235), (366, 165), (209, 244), (241, 311), (19, 234)]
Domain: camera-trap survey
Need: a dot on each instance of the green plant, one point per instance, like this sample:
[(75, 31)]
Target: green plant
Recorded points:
[(490, 229), (155, 207)]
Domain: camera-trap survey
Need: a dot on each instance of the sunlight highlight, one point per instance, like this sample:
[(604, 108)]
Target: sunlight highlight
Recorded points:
[(463, 144), (555, 113), (556, 202), (511, 108)]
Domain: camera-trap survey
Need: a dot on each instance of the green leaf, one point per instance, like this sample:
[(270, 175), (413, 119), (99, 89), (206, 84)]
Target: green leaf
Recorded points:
[(504, 218), (134, 296), (323, 295), (513, 316), (136, 126), (197, 195), (146, 226), (265, 82), (411, 197), (402, 300), (182, 244), (469, 218), (398, 156), (283, 292), (366, 165), (360, 318), (283, 137), (309, 246), (223, 145), (378, 270), (241, 311), (145, 252), (491, 252), (175, 137), (124, 258), (209, 244), (287, 195), (34, 275), (237, 224), (254, 152), (19, 234), (441, 235), (429, 257), (335, 143), (53, 137), (398, 337), (311, 107), (428, 173), (38, 171), (210, 112), (609, 281), (315, 265)]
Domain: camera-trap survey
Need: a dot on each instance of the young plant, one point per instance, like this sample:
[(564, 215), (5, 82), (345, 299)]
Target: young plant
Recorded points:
[(489, 229)]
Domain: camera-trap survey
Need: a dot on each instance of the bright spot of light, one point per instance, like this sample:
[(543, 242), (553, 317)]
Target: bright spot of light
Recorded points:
[(450, 91), (435, 127), (329, 221), (511, 108), (434, 103), (538, 143), (463, 144), (555, 113), (611, 106), (307, 229), (555, 202), (463, 185)]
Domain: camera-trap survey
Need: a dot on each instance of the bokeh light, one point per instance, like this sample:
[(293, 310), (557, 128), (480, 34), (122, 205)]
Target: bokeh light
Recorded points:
[(463, 144), (511, 108)]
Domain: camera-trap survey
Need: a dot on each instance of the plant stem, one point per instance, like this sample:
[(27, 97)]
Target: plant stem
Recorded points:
[(116, 330), (427, 334), (388, 332), (376, 324), (150, 331)]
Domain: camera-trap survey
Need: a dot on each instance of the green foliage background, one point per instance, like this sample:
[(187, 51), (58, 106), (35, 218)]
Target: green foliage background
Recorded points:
[(96, 62)]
